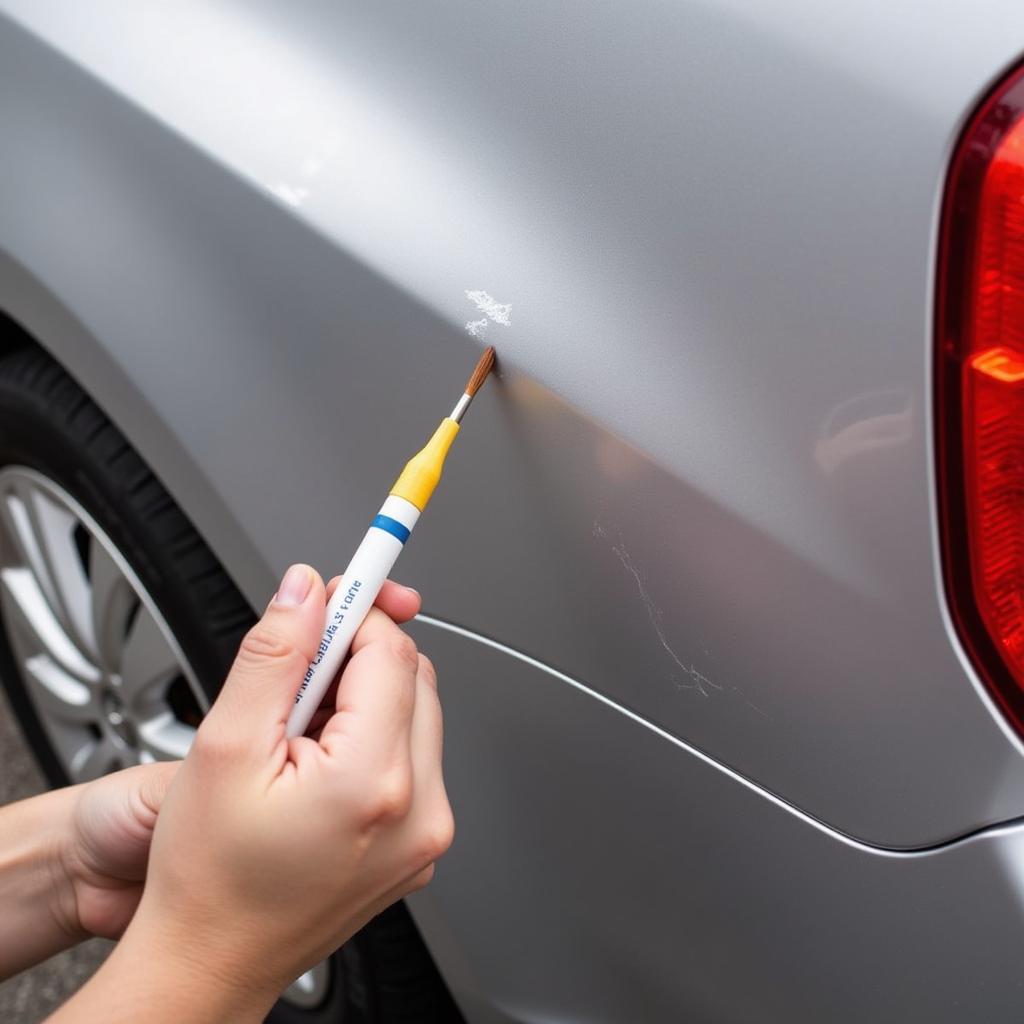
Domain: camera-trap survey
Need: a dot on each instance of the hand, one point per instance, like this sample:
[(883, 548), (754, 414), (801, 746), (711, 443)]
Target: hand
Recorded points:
[(106, 848), (72, 862), (270, 852)]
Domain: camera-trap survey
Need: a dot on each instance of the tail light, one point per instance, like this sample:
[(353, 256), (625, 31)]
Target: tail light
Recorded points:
[(980, 392)]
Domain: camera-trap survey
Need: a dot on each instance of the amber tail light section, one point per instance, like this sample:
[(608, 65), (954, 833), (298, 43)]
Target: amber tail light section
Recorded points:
[(980, 392)]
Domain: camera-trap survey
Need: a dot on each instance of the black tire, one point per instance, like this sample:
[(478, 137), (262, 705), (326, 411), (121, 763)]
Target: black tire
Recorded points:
[(48, 423)]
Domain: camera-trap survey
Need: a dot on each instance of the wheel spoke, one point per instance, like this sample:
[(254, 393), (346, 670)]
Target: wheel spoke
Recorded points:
[(95, 759), (14, 511), (56, 693), (98, 661), (55, 530), (165, 738), (31, 616), (44, 532), (111, 603), (147, 664)]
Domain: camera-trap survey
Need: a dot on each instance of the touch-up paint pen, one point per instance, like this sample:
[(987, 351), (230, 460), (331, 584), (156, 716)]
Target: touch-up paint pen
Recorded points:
[(375, 556)]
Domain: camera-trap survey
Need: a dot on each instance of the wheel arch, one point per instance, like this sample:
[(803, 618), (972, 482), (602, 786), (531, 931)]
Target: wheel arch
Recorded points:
[(32, 315)]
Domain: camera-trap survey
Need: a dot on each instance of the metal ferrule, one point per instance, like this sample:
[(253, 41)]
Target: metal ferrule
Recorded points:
[(460, 408)]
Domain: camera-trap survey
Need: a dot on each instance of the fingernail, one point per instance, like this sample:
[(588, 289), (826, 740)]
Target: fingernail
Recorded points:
[(295, 586), (412, 590)]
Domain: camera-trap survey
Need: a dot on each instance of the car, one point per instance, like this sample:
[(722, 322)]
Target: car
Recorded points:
[(723, 582)]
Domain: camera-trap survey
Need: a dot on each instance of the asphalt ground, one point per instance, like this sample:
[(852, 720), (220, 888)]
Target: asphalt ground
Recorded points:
[(34, 994)]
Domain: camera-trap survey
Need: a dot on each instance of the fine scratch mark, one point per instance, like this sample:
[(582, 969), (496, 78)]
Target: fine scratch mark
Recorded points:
[(499, 312), (764, 714), (698, 681)]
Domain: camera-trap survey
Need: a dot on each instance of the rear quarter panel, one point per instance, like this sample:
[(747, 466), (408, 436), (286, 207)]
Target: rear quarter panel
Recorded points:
[(701, 483)]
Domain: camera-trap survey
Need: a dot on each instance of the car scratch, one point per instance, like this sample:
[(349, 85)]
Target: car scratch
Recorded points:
[(753, 707), (698, 681)]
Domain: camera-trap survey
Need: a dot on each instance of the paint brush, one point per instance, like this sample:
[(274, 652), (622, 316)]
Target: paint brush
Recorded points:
[(375, 556)]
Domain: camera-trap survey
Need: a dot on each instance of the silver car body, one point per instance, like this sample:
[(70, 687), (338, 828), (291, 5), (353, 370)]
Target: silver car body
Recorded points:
[(713, 748)]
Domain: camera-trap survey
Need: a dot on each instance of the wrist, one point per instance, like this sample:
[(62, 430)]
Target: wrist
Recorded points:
[(64, 863), (36, 890), (144, 978), (48, 828), (179, 971)]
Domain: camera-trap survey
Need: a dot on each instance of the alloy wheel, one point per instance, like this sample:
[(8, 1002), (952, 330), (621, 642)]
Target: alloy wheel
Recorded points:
[(108, 681)]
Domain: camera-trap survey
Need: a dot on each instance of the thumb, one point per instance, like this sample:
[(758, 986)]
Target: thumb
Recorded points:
[(156, 780), (260, 688)]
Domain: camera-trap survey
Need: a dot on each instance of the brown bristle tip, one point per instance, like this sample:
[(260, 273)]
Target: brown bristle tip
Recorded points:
[(480, 373)]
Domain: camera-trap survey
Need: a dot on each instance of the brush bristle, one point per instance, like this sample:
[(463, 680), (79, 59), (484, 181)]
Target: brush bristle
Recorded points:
[(480, 373)]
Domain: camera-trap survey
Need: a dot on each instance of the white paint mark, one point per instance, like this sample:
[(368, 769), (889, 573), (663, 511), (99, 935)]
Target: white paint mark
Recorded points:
[(293, 195), (499, 312)]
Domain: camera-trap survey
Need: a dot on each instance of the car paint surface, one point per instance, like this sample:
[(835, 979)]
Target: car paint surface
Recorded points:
[(701, 483), (668, 889)]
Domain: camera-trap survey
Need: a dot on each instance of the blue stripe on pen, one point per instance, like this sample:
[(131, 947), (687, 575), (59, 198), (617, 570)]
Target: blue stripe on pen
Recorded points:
[(392, 526)]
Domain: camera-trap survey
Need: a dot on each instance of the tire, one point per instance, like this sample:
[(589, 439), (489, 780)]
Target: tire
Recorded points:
[(51, 430)]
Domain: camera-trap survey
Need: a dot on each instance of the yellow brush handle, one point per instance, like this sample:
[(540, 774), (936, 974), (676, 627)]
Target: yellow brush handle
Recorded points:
[(422, 472)]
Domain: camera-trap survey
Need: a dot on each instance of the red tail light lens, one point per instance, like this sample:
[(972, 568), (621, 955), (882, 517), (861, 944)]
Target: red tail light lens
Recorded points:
[(980, 396)]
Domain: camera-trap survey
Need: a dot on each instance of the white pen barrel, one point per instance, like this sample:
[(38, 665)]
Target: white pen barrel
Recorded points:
[(358, 589)]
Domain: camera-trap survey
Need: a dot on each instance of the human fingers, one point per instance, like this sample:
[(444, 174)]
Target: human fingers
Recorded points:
[(376, 695), (401, 603), (435, 823), (260, 688)]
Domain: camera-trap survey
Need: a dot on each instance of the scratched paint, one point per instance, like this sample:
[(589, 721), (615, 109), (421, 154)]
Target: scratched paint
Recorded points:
[(697, 680), (694, 679)]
